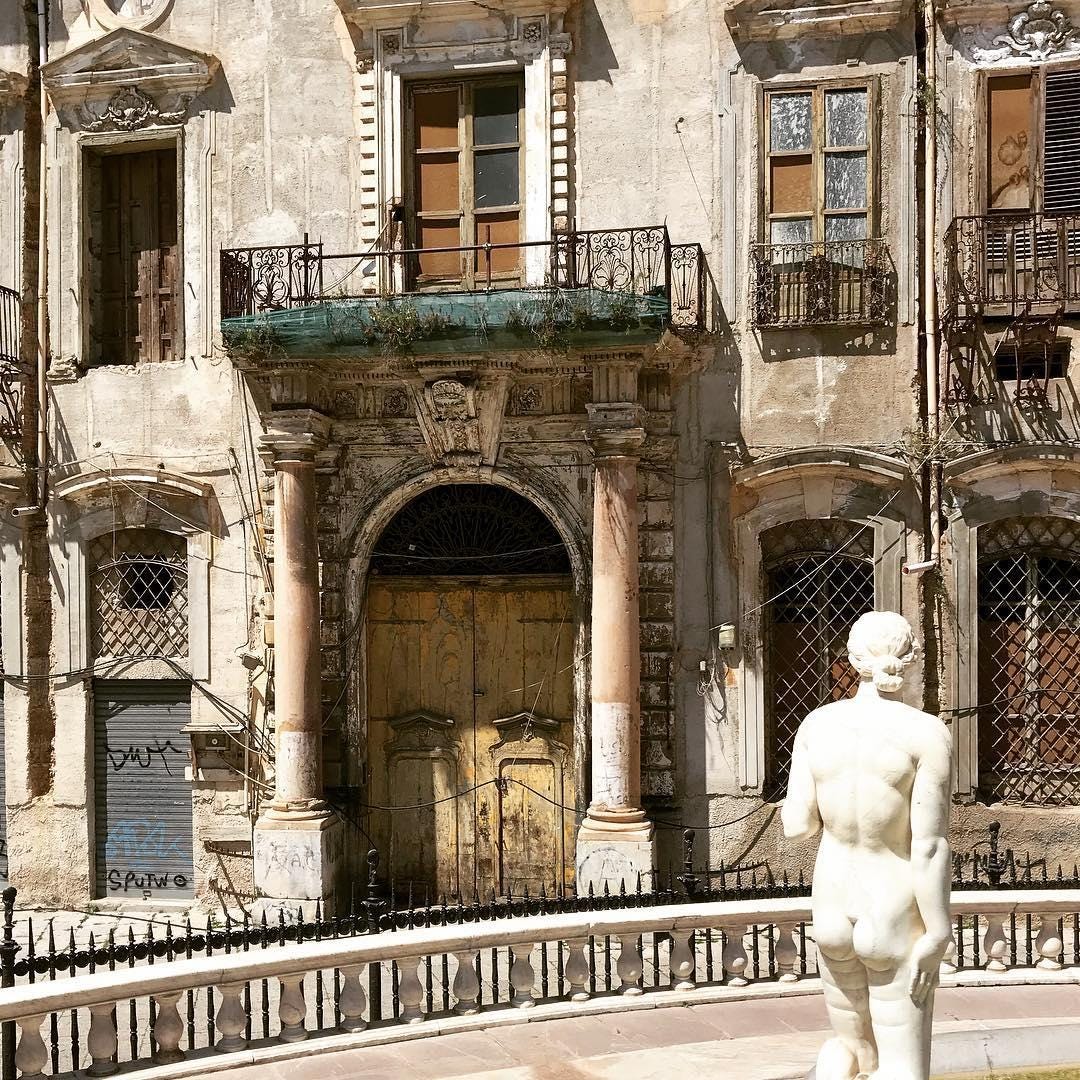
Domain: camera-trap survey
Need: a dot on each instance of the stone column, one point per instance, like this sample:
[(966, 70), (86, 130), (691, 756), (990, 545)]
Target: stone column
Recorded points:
[(615, 841), (297, 840)]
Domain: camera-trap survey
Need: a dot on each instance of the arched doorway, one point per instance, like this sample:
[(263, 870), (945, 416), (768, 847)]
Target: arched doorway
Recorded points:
[(469, 690)]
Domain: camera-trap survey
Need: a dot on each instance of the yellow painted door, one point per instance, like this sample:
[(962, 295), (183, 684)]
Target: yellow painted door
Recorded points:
[(470, 681)]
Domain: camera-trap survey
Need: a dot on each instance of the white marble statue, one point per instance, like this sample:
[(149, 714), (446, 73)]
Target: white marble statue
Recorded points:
[(873, 775)]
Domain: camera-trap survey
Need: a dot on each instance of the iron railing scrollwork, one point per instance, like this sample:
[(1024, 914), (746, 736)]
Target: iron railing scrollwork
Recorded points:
[(1013, 260), (635, 262), (820, 284), (10, 366)]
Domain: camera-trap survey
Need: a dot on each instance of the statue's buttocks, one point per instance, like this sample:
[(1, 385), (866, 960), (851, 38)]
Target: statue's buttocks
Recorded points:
[(873, 775)]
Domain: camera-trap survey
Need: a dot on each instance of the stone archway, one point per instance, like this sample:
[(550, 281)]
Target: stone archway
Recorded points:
[(470, 637)]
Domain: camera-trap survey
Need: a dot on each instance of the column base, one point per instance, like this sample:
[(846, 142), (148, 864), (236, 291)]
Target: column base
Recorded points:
[(615, 857), (297, 859)]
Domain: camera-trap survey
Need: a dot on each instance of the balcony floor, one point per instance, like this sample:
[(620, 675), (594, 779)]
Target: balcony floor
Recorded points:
[(456, 322)]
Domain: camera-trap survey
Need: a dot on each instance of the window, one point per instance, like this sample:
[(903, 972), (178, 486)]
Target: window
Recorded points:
[(1032, 142), (138, 594), (133, 256), (819, 170), (1029, 682), (466, 180), (818, 578)]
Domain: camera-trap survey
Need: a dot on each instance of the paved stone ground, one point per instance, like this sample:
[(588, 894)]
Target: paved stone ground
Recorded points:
[(772, 1039), (99, 923)]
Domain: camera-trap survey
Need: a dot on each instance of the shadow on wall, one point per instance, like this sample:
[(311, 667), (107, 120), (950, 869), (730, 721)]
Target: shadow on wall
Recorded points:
[(598, 61), (794, 343), (768, 59)]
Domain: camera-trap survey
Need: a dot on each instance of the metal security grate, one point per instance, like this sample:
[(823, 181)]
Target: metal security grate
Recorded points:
[(818, 579), (138, 594), (1029, 680)]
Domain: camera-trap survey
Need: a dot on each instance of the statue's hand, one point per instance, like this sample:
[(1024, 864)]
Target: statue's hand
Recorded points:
[(926, 958)]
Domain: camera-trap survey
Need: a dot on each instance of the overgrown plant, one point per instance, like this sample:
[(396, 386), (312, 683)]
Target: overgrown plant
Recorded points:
[(259, 342)]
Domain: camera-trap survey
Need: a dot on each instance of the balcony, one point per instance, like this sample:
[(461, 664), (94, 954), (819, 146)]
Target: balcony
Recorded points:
[(592, 288), (844, 283), (1014, 264), (10, 368)]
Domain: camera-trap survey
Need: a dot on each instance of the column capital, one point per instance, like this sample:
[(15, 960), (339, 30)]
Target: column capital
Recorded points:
[(615, 429), (296, 435)]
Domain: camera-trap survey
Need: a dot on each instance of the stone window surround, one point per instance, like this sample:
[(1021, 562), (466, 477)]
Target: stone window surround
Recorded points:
[(170, 503), (1041, 480), (545, 183), (802, 485), (76, 217)]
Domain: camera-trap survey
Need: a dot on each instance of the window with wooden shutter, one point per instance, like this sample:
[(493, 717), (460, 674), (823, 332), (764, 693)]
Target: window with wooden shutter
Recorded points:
[(133, 257), (1061, 143), (466, 181)]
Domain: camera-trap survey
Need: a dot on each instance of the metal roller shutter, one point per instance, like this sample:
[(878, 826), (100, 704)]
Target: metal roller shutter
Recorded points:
[(142, 796)]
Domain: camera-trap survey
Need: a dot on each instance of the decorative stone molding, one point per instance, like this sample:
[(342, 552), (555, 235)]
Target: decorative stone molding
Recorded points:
[(377, 14), (12, 85), (297, 433), (84, 489), (461, 418), (131, 109), (764, 20), (133, 14), (127, 59), (1036, 33)]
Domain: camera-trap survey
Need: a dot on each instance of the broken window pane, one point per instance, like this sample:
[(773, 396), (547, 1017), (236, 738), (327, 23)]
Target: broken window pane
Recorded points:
[(845, 117), (845, 180), (790, 231), (790, 125), (496, 178)]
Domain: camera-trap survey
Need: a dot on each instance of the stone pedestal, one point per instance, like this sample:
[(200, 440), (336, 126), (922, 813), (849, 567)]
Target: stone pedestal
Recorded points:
[(296, 863), (615, 841)]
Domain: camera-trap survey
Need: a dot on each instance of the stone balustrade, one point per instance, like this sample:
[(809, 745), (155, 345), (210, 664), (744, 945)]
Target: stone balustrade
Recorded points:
[(548, 963)]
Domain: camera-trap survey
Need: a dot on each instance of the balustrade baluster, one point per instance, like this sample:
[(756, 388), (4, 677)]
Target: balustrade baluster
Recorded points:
[(1048, 944), (994, 943), (31, 1055), (101, 1041), (410, 991), (352, 1000), (522, 975), (629, 967), (734, 956), (231, 1018), (167, 1028), (681, 960), (292, 1011), (466, 984), (785, 953), (577, 969)]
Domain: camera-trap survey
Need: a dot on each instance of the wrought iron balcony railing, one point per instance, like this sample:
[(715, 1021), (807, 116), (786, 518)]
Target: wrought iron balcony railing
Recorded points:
[(10, 367), (820, 284), (639, 262), (1001, 264)]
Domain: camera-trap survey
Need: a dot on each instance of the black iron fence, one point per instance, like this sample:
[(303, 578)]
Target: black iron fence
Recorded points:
[(10, 367), (1013, 260), (635, 262), (820, 284)]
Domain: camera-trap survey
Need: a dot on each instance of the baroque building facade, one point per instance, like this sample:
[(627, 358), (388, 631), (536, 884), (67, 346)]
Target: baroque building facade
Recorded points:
[(469, 432)]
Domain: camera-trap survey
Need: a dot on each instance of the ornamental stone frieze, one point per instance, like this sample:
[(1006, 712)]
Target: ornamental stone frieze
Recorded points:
[(461, 418), (989, 33), (127, 80)]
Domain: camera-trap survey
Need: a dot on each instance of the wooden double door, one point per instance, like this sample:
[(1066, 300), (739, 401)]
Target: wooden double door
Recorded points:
[(470, 733)]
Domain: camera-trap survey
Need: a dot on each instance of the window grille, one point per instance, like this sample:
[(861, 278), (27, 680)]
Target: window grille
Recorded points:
[(818, 578), (1029, 679), (138, 594)]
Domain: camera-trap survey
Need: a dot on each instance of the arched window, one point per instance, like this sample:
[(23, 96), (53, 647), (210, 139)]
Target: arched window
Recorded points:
[(818, 578), (138, 594), (1029, 679)]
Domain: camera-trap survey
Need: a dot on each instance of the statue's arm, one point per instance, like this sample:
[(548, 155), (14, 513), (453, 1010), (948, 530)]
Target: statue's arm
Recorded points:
[(930, 861), (800, 814)]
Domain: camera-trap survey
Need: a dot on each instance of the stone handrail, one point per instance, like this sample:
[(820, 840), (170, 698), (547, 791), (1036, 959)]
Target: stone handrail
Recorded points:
[(980, 916)]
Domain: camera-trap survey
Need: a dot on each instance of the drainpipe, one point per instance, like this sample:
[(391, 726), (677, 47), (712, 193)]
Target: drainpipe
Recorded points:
[(43, 277), (930, 305)]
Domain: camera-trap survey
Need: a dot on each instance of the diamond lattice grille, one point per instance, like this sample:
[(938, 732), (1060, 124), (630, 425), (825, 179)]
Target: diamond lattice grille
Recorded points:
[(138, 594), (1029, 677), (818, 579)]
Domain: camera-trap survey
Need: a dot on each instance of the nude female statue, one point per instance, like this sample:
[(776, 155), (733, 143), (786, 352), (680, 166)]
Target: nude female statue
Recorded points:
[(873, 775)]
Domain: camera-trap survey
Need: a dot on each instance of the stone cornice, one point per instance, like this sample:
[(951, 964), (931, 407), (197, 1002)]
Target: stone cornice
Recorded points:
[(296, 434), (760, 20), (369, 15), (615, 429), (85, 487), (127, 59)]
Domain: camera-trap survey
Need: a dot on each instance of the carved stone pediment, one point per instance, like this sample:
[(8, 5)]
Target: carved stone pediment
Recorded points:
[(761, 20), (526, 731), (377, 14), (989, 33), (101, 74), (422, 730), (461, 418)]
